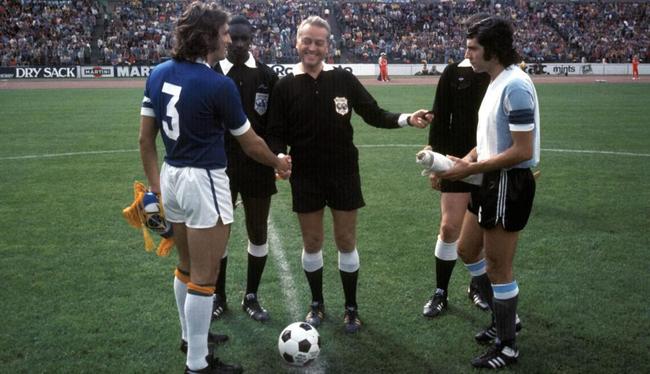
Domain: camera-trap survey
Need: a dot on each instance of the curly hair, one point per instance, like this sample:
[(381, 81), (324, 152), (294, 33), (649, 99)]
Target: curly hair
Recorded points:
[(495, 34), (197, 31)]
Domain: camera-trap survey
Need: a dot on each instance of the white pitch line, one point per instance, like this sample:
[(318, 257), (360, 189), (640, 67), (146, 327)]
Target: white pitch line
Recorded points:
[(586, 151), (51, 155), (280, 258), (417, 146), (597, 152), (289, 289)]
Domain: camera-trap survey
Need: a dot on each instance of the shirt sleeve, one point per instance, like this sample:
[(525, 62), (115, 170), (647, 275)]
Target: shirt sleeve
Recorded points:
[(442, 104), (519, 106), (147, 107), (230, 106), (276, 127), (366, 106)]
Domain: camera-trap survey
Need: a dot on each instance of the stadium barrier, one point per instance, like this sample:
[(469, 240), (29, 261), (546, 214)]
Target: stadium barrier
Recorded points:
[(142, 71)]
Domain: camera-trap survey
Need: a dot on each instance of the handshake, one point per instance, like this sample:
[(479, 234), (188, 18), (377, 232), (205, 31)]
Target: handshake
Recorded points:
[(285, 173), (434, 162)]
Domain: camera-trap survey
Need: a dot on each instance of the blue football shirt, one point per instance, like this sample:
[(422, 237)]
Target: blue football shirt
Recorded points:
[(193, 106)]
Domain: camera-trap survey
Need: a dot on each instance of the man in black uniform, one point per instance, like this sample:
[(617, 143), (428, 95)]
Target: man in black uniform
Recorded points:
[(310, 113), (253, 181), (453, 132)]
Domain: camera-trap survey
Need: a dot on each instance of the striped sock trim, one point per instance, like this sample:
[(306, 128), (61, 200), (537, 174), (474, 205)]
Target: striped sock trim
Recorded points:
[(505, 291), (182, 275), (478, 268), (195, 289)]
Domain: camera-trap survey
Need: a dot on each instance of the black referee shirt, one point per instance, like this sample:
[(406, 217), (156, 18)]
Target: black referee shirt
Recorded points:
[(312, 117), (458, 97), (255, 82)]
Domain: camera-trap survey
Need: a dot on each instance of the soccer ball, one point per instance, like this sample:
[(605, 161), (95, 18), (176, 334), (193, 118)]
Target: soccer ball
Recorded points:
[(299, 344)]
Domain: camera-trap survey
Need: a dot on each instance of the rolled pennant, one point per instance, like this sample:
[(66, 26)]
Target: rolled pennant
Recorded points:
[(434, 162)]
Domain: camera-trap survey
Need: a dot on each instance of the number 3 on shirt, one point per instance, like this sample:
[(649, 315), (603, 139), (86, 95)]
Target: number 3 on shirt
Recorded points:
[(175, 91)]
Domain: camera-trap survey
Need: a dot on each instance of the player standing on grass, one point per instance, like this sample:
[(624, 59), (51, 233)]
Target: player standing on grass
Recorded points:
[(253, 181), (507, 146), (453, 132), (310, 112), (193, 106)]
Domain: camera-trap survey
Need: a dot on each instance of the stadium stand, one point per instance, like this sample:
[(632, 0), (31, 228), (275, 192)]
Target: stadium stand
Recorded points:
[(116, 32)]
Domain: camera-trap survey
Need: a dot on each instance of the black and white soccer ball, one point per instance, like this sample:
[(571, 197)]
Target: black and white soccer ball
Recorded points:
[(299, 344)]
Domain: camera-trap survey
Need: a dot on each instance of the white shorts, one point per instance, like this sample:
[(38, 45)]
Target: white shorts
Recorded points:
[(194, 196)]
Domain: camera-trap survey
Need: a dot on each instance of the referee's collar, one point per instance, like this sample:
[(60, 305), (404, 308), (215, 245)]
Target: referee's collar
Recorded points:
[(297, 68), (465, 64), (226, 65)]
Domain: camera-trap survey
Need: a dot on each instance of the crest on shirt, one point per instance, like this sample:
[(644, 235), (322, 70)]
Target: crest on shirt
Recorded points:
[(341, 105), (261, 102)]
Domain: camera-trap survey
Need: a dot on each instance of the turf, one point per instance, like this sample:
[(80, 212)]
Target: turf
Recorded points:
[(81, 295)]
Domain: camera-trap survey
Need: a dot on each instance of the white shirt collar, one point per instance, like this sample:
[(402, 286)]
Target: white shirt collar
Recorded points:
[(465, 64), (202, 61), (226, 65), (297, 68)]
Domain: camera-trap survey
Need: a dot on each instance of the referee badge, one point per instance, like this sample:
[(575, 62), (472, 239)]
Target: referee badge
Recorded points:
[(261, 102), (341, 105)]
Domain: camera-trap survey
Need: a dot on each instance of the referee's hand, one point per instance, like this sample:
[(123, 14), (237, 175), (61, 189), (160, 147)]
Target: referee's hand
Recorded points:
[(283, 167), (418, 119)]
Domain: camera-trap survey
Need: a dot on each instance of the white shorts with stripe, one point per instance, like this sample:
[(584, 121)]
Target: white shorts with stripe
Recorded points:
[(194, 196)]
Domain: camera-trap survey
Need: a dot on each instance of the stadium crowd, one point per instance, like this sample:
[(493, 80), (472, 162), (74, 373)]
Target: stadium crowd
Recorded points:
[(46, 32), (62, 32)]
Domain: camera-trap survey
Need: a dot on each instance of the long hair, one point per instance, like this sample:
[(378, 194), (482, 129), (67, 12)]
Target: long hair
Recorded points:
[(495, 34), (197, 31)]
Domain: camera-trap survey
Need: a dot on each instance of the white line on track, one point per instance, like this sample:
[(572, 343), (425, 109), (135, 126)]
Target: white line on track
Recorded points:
[(415, 146)]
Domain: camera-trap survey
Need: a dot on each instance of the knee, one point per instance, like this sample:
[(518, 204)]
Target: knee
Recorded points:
[(346, 241), (312, 243), (449, 232), (257, 237)]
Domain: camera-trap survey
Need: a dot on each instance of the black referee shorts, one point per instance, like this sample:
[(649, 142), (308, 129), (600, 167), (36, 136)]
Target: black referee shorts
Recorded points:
[(311, 193), (505, 197), (253, 180), (456, 186)]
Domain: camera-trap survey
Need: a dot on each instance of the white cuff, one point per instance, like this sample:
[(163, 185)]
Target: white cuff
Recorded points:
[(241, 129), (522, 128), (402, 120), (147, 112)]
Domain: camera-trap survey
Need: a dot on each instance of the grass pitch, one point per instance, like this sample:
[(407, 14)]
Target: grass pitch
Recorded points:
[(80, 295)]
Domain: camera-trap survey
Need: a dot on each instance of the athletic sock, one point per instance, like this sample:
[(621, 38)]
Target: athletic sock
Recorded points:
[(181, 279), (198, 309), (312, 263), (257, 255), (479, 274), (349, 270), (505, 311), (446, 255), (220, 286)]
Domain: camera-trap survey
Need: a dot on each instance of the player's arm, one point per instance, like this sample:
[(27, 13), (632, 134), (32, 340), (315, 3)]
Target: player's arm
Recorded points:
[(519, 106), (366, 106), (276, 126), (440, 114), (240, 127), (148, 152), (257, 149)]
